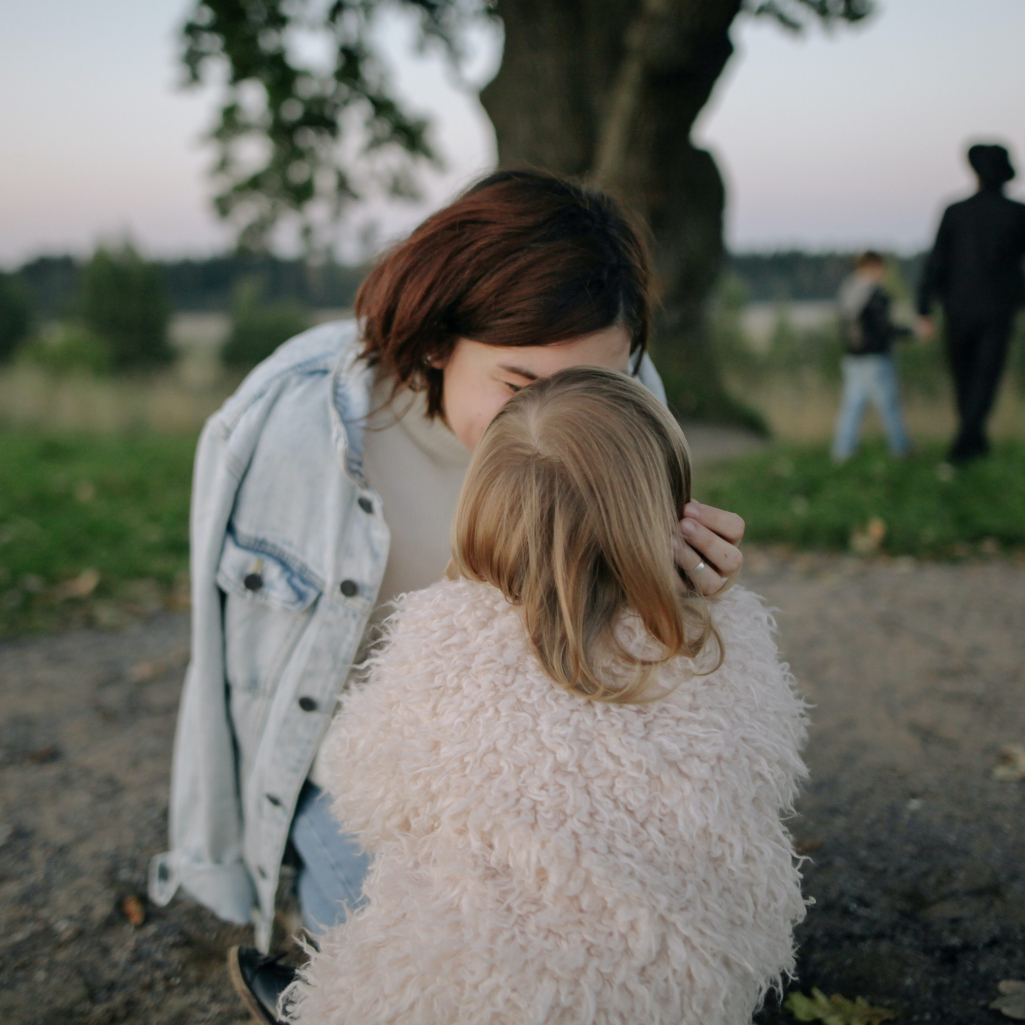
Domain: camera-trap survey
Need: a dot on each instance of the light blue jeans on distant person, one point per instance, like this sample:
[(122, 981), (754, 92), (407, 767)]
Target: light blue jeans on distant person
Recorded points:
[(869, 378), (333, 868)]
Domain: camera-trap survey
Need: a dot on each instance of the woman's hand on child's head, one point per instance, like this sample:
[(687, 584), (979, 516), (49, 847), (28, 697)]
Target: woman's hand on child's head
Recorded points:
[(707, 547)]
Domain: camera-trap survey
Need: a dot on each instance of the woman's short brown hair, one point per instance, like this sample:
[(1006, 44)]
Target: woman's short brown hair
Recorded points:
[(521, 258), (570, 507)]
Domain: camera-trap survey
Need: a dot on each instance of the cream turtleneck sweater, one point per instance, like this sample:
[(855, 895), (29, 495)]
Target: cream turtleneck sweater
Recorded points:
[(417, 467)]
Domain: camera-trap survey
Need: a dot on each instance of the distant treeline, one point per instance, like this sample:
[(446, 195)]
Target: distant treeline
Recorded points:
[(211, 283), (208, 284), (771, 277)]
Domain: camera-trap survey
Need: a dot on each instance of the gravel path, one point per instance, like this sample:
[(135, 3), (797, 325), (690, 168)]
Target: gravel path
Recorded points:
[(916, 674)]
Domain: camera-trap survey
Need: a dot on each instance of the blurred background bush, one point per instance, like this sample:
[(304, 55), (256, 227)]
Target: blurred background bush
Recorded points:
[(258, 327), (68, 347), (15, 314), (123, 301)]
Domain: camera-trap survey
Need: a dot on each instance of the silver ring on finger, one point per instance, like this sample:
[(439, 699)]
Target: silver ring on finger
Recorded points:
[(699, 567)]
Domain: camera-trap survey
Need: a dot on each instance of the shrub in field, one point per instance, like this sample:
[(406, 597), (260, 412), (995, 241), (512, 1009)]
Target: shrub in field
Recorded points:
[(123, 300), (15, 314), (69, 347), (258, 328), (731, 347), (811, 350)]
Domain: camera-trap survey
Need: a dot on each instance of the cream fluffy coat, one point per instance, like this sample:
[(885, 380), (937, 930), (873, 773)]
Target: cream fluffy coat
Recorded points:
[(541, 859)]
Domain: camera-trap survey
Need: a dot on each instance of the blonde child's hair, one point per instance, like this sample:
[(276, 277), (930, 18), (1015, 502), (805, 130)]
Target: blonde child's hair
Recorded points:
[(570, 507)]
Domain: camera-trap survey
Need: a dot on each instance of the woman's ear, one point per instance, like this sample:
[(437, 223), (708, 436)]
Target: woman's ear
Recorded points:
[(435, 362)]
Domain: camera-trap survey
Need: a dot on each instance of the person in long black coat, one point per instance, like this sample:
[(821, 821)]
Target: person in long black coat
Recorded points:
[(975, 270)]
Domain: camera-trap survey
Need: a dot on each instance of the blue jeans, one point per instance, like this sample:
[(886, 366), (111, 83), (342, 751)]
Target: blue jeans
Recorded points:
[(331, 875), (869, 378)]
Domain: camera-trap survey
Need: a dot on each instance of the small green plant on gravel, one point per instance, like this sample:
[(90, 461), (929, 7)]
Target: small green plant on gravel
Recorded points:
[(835, 1010), (1011, 1002), (795, 495), (84, 517)]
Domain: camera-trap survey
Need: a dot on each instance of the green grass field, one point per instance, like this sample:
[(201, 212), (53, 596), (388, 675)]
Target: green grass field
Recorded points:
[(794, 495), (95, 528), (72, 507)]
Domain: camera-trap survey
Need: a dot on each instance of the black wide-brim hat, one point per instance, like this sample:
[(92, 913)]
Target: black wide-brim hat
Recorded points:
[(991, 163)]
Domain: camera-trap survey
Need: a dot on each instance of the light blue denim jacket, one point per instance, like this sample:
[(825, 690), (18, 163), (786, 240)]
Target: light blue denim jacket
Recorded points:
[(288, 547)]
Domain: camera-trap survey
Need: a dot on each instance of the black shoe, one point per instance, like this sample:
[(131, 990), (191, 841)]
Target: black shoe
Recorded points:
[(964, 450), (259, 981), (962, 457)]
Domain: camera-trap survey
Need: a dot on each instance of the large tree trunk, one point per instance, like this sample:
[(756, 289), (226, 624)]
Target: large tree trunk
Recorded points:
[(609, 90)]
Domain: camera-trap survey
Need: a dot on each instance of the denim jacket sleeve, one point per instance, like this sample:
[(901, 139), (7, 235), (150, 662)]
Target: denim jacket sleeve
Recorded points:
[(259, 515), (205, 813)]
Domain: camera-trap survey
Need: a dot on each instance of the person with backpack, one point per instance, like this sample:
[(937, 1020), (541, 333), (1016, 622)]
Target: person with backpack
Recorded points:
[(869, 370)]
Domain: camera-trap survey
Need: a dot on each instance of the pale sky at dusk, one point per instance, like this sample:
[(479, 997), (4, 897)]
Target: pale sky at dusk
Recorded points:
[(837, 139)]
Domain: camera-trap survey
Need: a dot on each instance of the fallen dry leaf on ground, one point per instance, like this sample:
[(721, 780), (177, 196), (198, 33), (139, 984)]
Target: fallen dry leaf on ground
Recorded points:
[(77, 587), (180, 598), (44, 755), (1010, 766), (867, 541), (808, 846), (85, 491), (1011, 1001), (141, 598), (143, 672), (134, 910), (835, 1010)]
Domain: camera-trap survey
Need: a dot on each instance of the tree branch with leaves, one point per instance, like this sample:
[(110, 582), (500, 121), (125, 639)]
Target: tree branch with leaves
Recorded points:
[(605, 90), (309, 121)]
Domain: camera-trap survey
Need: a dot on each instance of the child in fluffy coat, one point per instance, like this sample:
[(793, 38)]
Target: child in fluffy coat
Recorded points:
[(569, 767)]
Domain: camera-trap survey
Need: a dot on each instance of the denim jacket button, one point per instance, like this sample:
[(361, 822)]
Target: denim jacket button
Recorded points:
[(253, 581), (308, 704), (365, 504), (349, 588)]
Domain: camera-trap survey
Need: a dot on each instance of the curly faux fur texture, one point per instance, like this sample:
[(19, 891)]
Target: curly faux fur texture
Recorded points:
[(541, 859)]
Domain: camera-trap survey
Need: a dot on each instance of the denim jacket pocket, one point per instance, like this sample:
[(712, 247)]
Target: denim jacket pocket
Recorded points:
[(260, 572), (268, 600)]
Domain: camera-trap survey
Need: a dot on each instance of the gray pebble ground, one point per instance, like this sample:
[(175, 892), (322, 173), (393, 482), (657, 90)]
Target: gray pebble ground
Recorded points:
[(916, 675)]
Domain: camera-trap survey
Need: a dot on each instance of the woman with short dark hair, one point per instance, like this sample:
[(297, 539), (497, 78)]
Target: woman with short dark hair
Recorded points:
[(325, 487)]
